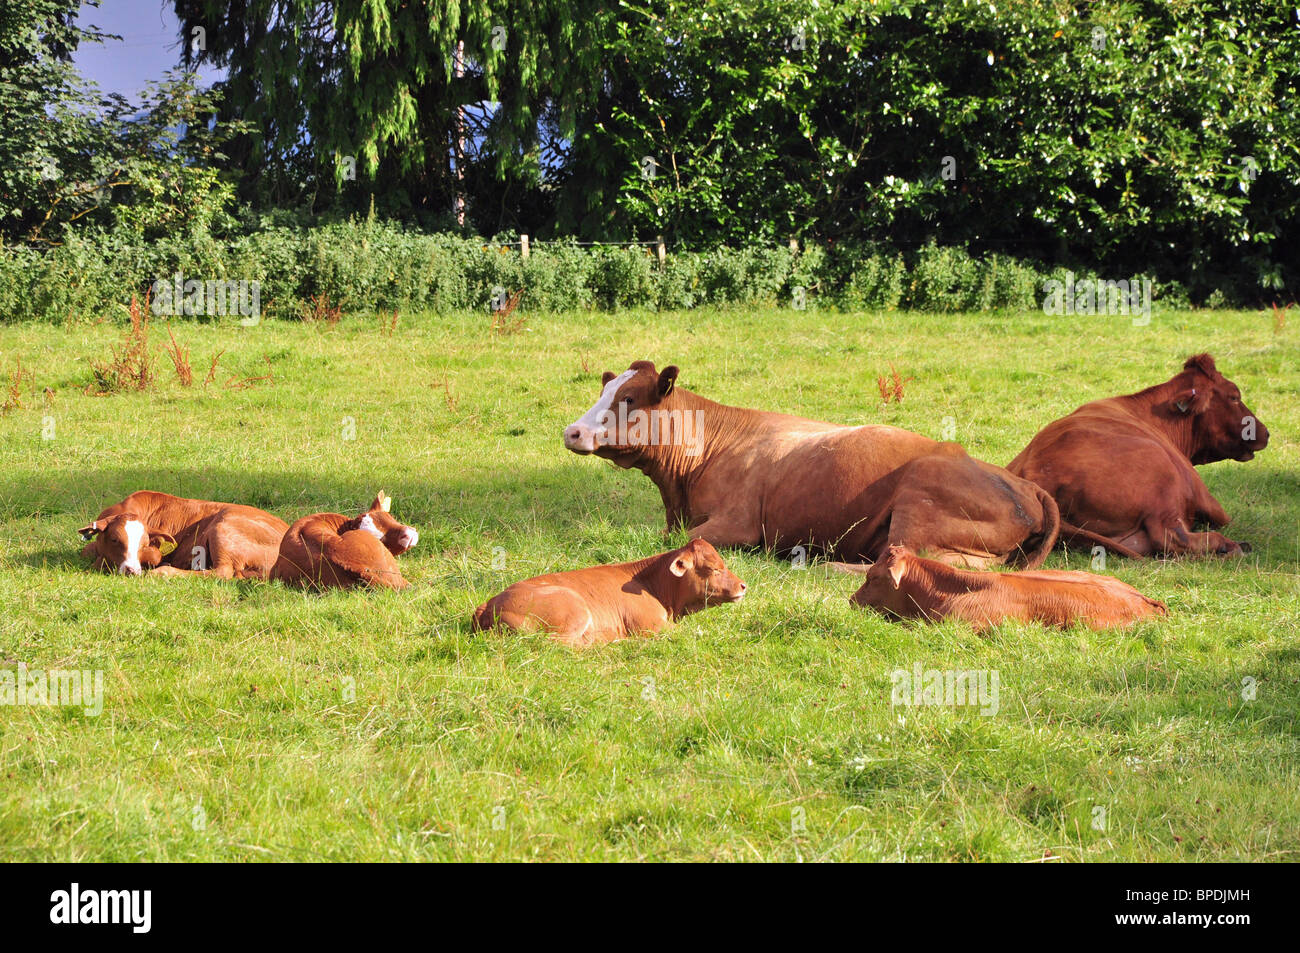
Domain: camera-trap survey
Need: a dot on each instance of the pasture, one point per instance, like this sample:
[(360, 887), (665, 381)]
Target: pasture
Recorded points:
[(249, 721)]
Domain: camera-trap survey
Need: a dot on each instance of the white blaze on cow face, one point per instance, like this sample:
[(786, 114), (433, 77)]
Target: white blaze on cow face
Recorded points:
[(135, 538), (369, 526), (591, 429)]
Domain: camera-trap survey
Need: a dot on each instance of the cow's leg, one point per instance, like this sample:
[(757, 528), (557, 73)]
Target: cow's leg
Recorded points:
[(1169, 535), (217, 572), (721, 531), (960, 515)]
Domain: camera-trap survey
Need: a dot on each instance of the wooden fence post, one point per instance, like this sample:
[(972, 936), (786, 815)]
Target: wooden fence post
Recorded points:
[(523, 246), (660, 250)]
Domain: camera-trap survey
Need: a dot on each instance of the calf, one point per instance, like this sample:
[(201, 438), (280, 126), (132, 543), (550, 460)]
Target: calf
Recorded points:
[(329, 550), (589, 606), (1123, 470), (905, 585), (172, 536)]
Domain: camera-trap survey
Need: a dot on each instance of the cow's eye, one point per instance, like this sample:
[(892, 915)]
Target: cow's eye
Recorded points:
[(627, 400)]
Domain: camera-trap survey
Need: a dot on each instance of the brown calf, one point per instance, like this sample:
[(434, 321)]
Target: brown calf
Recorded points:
[(332, 551), (905, 585), (175, 536), (590, 606)]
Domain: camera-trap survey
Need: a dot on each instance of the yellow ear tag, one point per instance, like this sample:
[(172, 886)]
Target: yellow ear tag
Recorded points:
[(167, 548)]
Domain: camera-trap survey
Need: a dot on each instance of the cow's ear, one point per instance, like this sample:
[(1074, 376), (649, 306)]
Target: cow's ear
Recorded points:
[(89, 532), (897, 568), (606, 378), (667, 378), (382, 502), (164, 542), (682, 564), (1190, 401)]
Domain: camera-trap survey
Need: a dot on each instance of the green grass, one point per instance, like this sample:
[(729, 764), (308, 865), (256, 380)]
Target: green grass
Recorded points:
[(705, 742)]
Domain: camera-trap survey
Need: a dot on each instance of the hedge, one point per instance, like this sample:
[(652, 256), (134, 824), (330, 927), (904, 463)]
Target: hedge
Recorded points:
[(368, 266)]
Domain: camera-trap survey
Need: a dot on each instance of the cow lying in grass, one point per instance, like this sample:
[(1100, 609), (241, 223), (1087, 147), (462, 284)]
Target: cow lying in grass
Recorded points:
[(590, 606), (739, 477), (174, 536), (903, 584), (1123, 470), (332, 551)]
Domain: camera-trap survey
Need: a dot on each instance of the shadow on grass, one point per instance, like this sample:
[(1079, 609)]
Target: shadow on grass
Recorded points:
[(570, 492), (554, 498)]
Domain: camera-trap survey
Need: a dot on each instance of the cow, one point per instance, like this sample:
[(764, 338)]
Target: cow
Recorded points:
[(593, 606), (332, 551), (739, 477), (904, 585), (1123, 470), (175, 536)]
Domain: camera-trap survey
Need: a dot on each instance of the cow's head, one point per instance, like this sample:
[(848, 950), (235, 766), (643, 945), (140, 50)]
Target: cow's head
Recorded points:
[(639, 388), (122, 543), (1223, 427), (396, 537), (882, 590), (702, 578)]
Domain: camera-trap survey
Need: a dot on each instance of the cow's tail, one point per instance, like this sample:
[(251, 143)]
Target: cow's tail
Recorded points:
[(1118, 548), (1032, 559)]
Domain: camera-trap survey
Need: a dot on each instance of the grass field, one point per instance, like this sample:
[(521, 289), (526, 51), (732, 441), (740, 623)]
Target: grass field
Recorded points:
[(247, 721)]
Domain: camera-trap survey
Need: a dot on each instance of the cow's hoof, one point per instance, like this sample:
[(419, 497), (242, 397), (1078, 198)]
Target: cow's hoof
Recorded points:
[(1230, 548), (1245, 547)]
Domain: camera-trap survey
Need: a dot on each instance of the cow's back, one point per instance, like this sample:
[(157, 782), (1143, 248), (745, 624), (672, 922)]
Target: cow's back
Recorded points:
[(809, 480), (1061, 598), (244, 538)]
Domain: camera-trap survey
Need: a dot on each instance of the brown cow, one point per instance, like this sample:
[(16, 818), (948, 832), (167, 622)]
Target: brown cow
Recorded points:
[(591, 606), (903, 584), (174, 536), (1123, 469), (332, 551), (748, 478)]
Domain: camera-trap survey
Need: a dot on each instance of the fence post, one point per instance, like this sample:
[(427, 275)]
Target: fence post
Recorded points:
[(660, 251), (523, 246), (794, 244)]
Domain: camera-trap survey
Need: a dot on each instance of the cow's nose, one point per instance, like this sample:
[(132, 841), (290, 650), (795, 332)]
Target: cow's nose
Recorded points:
[(129, 570), (579, 439), (409, 538)]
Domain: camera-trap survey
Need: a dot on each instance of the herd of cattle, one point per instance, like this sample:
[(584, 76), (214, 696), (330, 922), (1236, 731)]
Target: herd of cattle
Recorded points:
[(1119, 473)]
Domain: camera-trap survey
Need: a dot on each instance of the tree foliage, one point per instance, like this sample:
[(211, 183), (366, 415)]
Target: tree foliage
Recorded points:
[(70, 156), (1098, 134)]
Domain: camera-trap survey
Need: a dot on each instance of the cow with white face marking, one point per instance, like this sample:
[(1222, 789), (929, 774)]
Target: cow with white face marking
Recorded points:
[(738, 477), (172, 535), (332, 551)]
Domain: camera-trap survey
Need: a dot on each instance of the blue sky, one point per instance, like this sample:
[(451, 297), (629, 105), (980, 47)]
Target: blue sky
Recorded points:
[(150, 45)]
